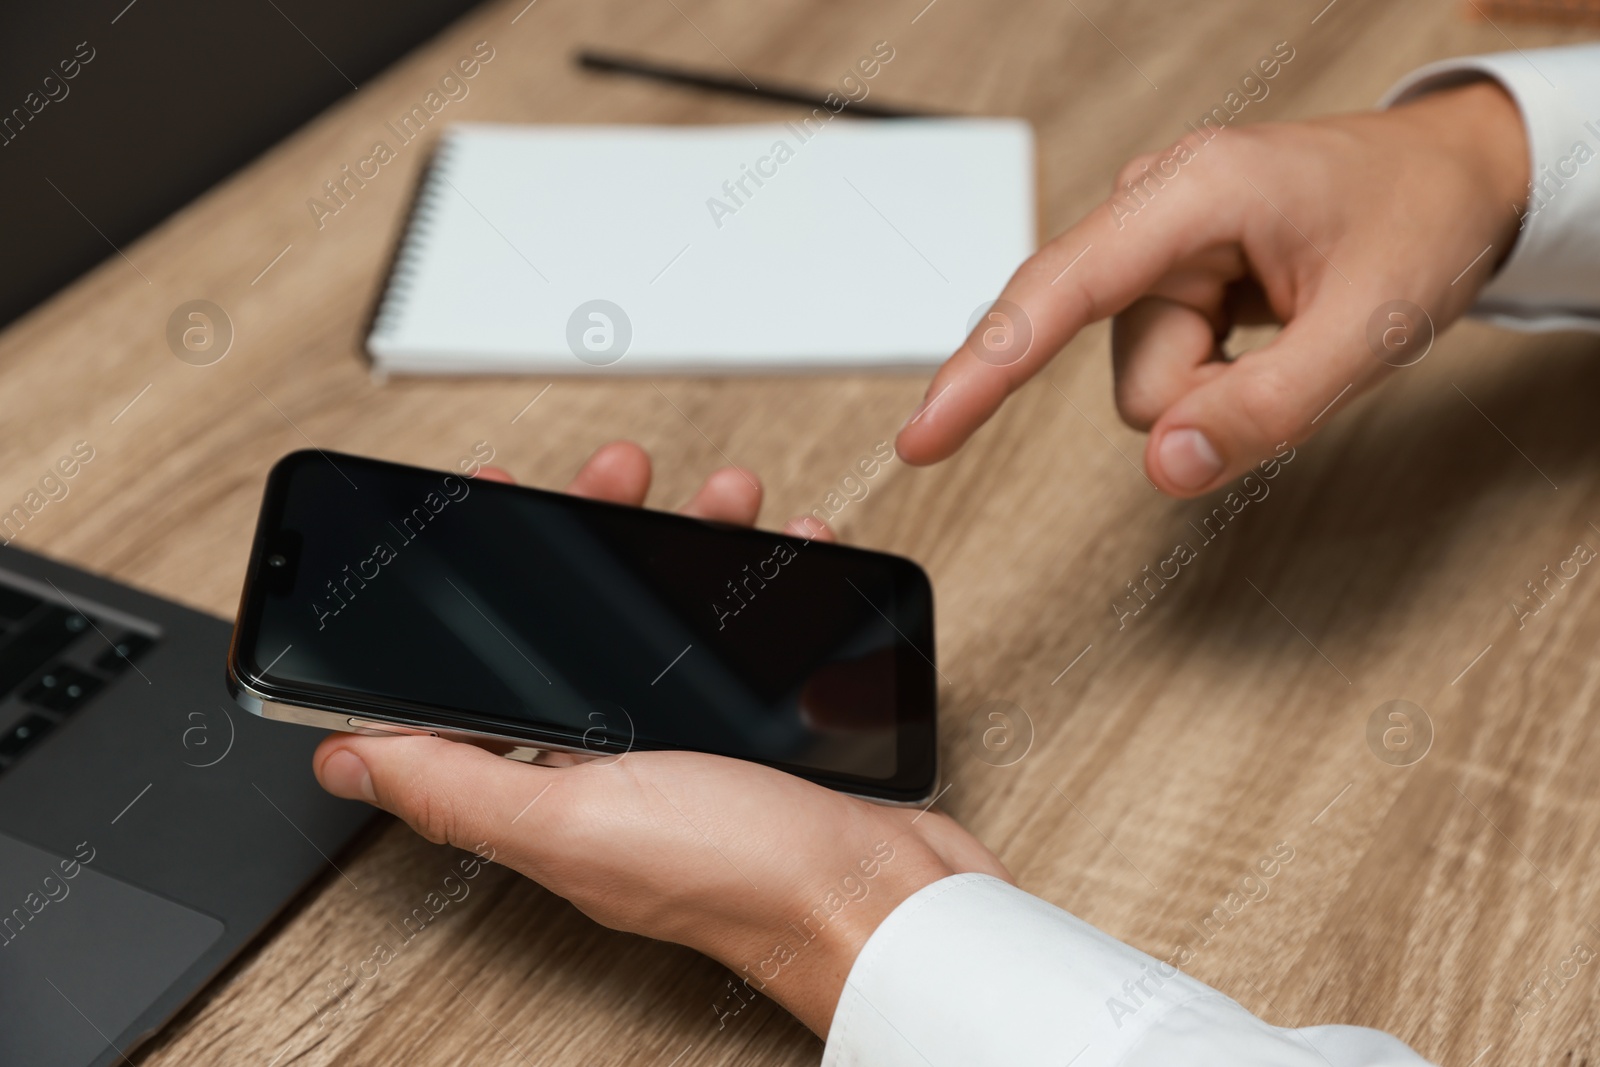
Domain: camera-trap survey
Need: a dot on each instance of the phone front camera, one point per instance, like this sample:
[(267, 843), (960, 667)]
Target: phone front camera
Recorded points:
[(277, 560)]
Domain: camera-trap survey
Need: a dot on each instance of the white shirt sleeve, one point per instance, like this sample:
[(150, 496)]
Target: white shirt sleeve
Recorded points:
[(1552, 279), (971, 971)]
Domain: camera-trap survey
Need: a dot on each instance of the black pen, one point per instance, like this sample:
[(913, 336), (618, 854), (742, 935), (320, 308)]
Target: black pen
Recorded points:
[(611, 63)]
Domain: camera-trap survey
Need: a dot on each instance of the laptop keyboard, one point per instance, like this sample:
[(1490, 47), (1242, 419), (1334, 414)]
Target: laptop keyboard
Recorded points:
[(53, 660)]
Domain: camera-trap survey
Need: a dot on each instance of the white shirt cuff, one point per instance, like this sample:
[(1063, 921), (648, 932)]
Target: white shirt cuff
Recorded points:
[(972, 971), (1552, 279)]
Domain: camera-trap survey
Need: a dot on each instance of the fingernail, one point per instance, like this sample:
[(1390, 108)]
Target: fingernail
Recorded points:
[(345, 775), (1188, 459)]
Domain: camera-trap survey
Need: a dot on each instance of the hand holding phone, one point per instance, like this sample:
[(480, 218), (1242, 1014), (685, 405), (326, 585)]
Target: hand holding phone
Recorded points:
[(727, 857)]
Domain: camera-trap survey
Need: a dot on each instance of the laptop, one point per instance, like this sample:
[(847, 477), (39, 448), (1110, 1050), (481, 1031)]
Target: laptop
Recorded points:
[(149, 830)]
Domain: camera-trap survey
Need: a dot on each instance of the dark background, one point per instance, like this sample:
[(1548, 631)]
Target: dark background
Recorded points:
[(180, 94)]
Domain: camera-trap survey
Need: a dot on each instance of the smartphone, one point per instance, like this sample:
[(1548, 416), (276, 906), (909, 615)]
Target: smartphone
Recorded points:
[(392, 599)]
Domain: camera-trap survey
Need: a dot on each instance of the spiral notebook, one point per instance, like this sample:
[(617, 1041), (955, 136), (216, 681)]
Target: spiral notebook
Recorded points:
[(726, 249)]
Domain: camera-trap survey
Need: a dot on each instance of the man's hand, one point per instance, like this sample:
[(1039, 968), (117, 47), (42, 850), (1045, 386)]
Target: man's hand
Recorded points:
[(1313, 225), (781, 880)]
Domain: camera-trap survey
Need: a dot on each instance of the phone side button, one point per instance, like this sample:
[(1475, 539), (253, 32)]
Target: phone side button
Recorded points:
[(368, 726)]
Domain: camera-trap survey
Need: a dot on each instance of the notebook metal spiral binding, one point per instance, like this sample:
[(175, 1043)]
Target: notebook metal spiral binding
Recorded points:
[(424, 211)]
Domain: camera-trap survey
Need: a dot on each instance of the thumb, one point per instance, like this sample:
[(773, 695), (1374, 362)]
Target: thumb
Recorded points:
[(1275, 395), (448, 792)]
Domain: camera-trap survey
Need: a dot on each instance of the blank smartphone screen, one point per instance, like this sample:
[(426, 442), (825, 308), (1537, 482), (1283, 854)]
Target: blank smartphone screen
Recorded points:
[(437, 598)]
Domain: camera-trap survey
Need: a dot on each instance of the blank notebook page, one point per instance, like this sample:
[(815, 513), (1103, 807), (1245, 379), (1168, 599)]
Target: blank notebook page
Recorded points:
[(616, 249)]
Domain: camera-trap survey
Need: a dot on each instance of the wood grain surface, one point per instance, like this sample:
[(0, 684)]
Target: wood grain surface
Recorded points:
[(1229, 716)]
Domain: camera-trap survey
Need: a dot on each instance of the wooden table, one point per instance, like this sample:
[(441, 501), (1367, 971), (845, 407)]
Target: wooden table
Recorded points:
[(1168, 756)]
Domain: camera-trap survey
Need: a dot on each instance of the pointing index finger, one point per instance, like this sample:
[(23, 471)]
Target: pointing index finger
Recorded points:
[(1090, 272)]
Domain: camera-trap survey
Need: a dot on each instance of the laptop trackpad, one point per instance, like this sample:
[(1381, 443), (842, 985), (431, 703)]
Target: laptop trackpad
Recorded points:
[(81, 957)]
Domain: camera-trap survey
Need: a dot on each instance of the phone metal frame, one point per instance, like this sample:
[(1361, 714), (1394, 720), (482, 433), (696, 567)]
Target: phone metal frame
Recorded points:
[(521, 749)]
